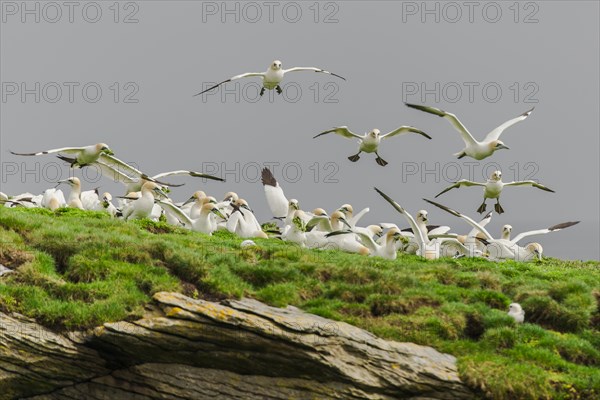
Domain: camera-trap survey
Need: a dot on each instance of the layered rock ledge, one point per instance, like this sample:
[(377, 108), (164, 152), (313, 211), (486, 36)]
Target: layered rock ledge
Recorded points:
[(237, 349)]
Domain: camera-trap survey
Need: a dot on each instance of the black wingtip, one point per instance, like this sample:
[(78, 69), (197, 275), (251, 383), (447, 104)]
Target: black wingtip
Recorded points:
[(564, 225)]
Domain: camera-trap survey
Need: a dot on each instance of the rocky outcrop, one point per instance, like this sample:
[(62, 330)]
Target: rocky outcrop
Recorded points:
[(237, 349)]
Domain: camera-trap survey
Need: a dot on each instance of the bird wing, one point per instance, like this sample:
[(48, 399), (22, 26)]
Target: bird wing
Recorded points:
[(114, 174), (469, 220), (60, 150), (457, 185), (342, 131), (312, 69), (190, 173), (124, 168), (367, 240), (439, 230), (554, 228), (354, 220), (176, 212), (278, 203), (486, 220), (405, 129), (422, 240), (464, 133), (529, 183), (495, 134), (314, 221), (233, 78)]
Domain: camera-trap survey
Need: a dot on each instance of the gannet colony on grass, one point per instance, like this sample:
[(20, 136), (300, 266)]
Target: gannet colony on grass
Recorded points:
[(147, 196)]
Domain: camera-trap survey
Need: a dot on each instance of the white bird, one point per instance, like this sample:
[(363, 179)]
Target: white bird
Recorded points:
[(503, 249), (135, 184), (473, 148), (348, 212), (276, 200), (74, 199), (320, 224), (247, 243), (203, 223), (429, 249), (83, 156), (242, 221), (369, 142), (387, 250), (492, 189), (271, 78), (516, 312), (53, 199), (142, 207)]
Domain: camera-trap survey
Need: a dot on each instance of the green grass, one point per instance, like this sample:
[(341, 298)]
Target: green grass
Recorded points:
[(79, 269)]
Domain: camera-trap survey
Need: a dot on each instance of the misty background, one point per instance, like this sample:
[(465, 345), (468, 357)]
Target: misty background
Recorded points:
[(486, 64)]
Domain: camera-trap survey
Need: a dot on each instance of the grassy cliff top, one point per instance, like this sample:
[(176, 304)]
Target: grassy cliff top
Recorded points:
[(79, 269)]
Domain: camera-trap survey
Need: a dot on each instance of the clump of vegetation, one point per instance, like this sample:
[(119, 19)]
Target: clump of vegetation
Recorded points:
[(79, 269)]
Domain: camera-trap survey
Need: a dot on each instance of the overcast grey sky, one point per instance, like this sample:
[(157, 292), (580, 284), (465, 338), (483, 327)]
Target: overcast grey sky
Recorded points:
[(487, 62)]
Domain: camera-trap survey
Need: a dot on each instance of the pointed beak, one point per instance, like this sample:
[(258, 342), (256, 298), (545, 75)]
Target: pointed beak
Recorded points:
[(61, 182), (190, 200), (218, 213), (345, 223), (502, 147), (248, 208), (160, 192)]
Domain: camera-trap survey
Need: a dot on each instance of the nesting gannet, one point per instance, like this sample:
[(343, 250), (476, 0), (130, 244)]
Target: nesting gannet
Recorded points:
[(369, 142), (320, 224), (271, 78), (83, 156), (506, 231), (503, 249), (387, 250), (142, 207), (492, 189), (74, 199), (428, 248), (242, 221), (295, 232), (202, 224), (516, 312), (348, 212), (473, 148), (53, 199)]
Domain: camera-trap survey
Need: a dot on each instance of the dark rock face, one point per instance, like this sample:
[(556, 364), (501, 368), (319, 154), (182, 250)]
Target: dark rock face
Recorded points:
[(195, 349)]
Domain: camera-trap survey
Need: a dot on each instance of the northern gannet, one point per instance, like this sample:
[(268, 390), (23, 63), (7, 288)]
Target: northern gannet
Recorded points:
[(276, 200), (387, 250), (503, 249), (202, 224), (242, 221), (492, 189), (348, 212), (473, 148), (271, 78), (516, 312), (369, 142), (74, 199), (83, 156), (142, 206)]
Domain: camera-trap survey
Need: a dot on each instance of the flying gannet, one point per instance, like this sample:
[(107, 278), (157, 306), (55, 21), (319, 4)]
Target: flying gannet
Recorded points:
[(473, 148), (271, 78), (493, 188), (369, 142)]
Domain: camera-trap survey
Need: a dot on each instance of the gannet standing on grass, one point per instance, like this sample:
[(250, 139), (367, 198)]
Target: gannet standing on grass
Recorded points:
[(142, 207), (203, 223), (369, 142), (74, 199), (270, 78), (516, 312), (473, 148), (429, 249), (242, 221), (503, 249), (492, 189)]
